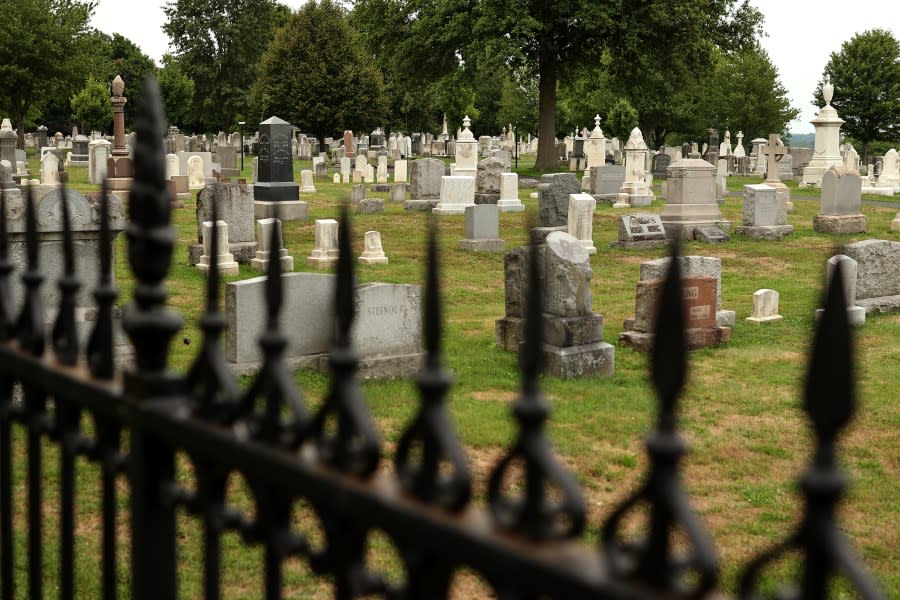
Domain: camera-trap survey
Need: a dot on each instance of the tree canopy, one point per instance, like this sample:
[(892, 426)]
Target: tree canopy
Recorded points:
[(41, 43), (91, 107), (315, 75), (218, 45), (865, 73)]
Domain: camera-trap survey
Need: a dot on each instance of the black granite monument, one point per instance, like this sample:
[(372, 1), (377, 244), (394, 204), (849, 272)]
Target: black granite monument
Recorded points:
[(275, 177)]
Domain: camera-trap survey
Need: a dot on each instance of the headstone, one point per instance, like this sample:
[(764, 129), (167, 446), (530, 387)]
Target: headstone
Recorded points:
[(774, 151), (457, 192), (660, 163), (373, 253), (265, 252), (381, 175), (889, 175), (765, 307), (349, 148), (8, 141), (635, 191), (172, 166), (466, 152), (225, 263), (400, 171), (195, 173), (765, 217), (275, 179), (49, 169), (692, 266), (307, 185), (386, 333), (639, 231), (841, 203), (326, 251), (482, 229), (856, 315), (553, 198), (581, 220), (234, 206), (509, 193), (370, 206), (98, 156), (425, 184), (606, 181), (878, 275), (487, 181), (691, 199)]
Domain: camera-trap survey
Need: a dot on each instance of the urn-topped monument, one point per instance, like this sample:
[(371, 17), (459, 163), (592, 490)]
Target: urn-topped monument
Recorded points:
[(119, 166), (827, 153), (275, 189)]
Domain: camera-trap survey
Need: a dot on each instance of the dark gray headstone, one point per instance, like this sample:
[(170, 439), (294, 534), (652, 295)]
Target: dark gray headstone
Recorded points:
[(660, 163), (553, 198), (275, 176)]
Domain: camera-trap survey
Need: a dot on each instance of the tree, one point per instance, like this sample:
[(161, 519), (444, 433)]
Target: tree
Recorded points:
[(218, 45), (865, 74), (746, 95), (315, 76), (91, 107), (177, 90), (518, 104), (128, 61), (39, 42), (622, 119)]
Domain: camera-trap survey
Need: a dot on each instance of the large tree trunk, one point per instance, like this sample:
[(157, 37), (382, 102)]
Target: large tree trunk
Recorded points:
[(546, 155)]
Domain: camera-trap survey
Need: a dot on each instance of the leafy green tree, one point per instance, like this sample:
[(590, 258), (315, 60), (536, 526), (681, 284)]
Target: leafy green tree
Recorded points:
[(40, 42), (621, 120), (866, 78), (518, 104), (177, 90), (746, 95), (218, 45), (91, 107), (315, 75), (128, 61)]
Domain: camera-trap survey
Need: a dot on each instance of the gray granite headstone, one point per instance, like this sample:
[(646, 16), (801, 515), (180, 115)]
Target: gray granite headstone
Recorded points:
[(553, 198), (235, 208)]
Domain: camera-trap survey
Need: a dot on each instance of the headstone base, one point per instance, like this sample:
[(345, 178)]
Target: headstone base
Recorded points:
[(321, 262), (261, 262), (564, 332), (687, 230), (373, 260), (485, 198), (879, 304), (508, 332), (482, 245), (839, 223), (639, 245), (696, 338), (450, 209), (579, 361), (514, 205), (243, 252), (878, 191), (295, 210), (856, 315), (276, 191), (711, 235), (759, 320), (370, 206), (630, 200), (421, 205), (374, 367), (774, 233), (226, 265)]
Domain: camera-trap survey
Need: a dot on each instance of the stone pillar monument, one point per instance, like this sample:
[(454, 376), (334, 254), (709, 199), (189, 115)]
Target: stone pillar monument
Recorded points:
[(827, 153), (119, 166), (275, 190), (466, 164)]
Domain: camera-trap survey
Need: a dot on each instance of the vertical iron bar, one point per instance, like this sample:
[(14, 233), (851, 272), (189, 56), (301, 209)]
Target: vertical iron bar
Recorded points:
[(67, 518), (273, 572), (34, 408), (7, 331), (212, 557), (108, 433)]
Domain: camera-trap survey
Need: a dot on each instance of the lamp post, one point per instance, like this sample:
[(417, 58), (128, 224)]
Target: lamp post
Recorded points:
[(241, 124)]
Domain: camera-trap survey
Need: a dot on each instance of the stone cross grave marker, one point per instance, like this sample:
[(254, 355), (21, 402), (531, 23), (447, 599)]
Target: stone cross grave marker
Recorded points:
[(772, 151)]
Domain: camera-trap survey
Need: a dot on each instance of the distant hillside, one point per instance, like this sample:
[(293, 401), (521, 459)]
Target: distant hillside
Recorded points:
[(803, 140)]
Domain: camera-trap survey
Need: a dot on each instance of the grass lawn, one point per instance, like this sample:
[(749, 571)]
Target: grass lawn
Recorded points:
[(740, 410)]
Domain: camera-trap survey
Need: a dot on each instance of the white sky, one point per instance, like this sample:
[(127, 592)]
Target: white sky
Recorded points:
[(802, 34)]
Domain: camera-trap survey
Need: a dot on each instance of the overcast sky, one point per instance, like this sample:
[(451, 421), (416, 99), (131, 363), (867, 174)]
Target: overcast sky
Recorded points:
[(802, 34)]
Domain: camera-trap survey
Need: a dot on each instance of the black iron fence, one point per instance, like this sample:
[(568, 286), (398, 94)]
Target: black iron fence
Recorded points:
[(524, 542)]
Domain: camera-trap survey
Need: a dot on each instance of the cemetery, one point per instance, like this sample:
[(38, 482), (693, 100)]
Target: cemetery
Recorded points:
[(316, 261)]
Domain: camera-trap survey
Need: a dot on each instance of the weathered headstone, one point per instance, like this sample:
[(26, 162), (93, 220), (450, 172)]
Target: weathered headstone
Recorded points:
[(225, 263), (606, 181), (307, 185), (487, 181), (482, 229), (635, 191), (764, 217), (765, 307), (457, 192), (581, 220), (373, 252), (856, 315), (877, 275), (266, 251), (641, 230), (553, 198), (691, 199), (326, 251), (509, 193), (234, 207), (841, 203)]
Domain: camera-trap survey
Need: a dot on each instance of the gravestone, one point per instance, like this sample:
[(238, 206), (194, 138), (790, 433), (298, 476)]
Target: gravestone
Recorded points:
[(424, 184), (79, 156), (381, 175), (509, 193), (635, 190), (640, 231), (265, 252), (581, 220), (195, 173), (275, 188), (877, 274), (660, 163), (49, 169), (307, 185), (386, 333), (326, 251), (400, 171), (487, 181), (457, 192), (225, 263), (234, 207), (691, 200), (373, 252), (606, 181), (482, 229), (553, 198), (841, 203), (765, 307), (8, 141), (98, 155), (856, 315), (765, 217)]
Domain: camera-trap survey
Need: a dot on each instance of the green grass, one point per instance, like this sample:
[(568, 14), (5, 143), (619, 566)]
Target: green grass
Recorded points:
[(740, 410)]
